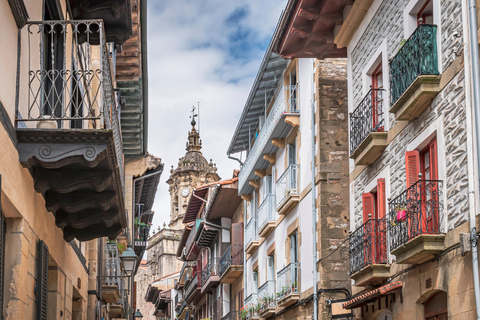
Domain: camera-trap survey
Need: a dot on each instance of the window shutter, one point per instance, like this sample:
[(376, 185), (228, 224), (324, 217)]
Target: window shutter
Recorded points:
[(381, 203), (368, 206), (412, 166), (433, 160), (42, 281), (237, 233)]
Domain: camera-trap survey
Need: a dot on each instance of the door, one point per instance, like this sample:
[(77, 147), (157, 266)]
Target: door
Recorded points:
[(292, 161), (293, 91), (294, 261), (377, 102)]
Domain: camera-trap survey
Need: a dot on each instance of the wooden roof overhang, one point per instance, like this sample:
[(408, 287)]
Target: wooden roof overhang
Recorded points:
[(307, 29), (206, 234), (183, 239), (197, 201), (224, 201), (150, 294), (372, 295)]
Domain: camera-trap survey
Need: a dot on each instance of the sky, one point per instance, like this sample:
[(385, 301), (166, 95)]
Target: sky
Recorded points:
[(207, 52)]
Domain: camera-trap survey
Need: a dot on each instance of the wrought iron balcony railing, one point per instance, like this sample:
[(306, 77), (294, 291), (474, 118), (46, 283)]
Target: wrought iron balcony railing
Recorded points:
[(251, 231), (266, 211), (266, 295), (417, 57), (233, 255), (69, 79), (368, 245), (287, 280), (285, 103), (212, 268), (287, 184), (416, 211), (366, 118)]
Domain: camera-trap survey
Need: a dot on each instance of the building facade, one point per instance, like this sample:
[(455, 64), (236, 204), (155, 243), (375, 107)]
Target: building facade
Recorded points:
[(69, 163)]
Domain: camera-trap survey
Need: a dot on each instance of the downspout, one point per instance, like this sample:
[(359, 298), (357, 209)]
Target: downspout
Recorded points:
[(314, 211), (143, 44), (473, 57), (244, 255), (236, 159)]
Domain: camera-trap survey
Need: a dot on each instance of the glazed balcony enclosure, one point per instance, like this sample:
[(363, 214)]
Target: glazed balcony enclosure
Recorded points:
[(287, 285), (266, 297), (414, 76), (266, 216), (252, 240), (368, 253), (231, 263), (415, 222), (287, 189), (368, 138), (68, 127), (250, 305)]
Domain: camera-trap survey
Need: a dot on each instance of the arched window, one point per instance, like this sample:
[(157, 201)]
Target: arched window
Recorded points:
[(436, 307)]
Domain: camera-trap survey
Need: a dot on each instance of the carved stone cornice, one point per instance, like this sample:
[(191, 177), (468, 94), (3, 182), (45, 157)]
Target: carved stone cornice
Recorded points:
[(92, 232), (86, 218), (78, 201), (66, 181)]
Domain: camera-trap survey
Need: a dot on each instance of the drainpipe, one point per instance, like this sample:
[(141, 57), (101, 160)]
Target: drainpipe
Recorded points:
[(244, 255), (314, 211), (473, 58)]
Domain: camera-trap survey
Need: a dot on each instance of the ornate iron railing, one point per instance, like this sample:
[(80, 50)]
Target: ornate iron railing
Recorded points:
[(368, 245), (70, 82), (366, 118), (417, 57), (285, 103), (416, 211), (233, 255), (266, 211), (212, 268), (287, 280), (287, 184), (266, 295), (251, 231)]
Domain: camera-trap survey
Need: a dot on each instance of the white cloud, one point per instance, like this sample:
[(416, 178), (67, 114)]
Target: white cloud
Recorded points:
[(194, 55)]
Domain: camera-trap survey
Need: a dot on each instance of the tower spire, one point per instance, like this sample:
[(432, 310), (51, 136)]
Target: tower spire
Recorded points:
[(194, 142)]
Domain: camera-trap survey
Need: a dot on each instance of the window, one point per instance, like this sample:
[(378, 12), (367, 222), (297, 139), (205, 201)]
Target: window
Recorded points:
[(270, 268), (254, 282), (373, 233), (293, 91), (377, 98), (374, 204), (425, 13), (424, 162), (435, 308)]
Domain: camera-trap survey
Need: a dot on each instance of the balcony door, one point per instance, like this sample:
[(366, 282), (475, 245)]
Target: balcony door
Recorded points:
[(377, 101), (294, 260), (374, 209), (293, 91), (292, 161)]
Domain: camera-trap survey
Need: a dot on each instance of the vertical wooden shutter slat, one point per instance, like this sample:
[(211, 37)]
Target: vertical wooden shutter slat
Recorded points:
[(368, 206), (412, 166), (42, 281), (381, 201), (433, 160)]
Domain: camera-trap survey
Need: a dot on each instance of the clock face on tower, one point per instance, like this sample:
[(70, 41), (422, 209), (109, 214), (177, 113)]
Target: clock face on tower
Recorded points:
[(185, 192)]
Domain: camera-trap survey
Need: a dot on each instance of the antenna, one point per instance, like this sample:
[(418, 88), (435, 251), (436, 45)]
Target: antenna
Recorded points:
[(193, 116)]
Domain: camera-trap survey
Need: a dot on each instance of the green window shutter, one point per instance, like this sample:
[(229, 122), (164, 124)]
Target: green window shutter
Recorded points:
[(42, 281)]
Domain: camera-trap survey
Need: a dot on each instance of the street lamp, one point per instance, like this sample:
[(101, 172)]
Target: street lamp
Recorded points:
[(129, 259), (138, 315)]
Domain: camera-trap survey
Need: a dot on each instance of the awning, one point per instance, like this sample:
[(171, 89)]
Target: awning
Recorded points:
[(373, 295), (207, 234)]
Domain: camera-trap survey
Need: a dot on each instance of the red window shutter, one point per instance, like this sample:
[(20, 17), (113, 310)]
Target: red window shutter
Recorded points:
[(433, 160), (412, 166), (368, 206), (381, 203)]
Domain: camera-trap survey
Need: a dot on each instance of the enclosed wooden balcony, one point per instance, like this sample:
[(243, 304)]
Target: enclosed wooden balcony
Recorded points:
[(368, 138), (368, 253), (68, 127), (416, 232), (414, 76), (231, 264)]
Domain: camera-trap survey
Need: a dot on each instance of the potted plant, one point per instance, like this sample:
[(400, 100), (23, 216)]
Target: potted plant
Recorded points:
[(243, 312), (294, 286), (401, 213)]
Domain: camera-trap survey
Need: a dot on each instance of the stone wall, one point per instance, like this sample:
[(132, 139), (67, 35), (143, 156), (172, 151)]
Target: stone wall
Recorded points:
[(332, 174), (143, 280)]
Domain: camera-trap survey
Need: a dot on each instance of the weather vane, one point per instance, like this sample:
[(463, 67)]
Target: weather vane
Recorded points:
[(193, 116)]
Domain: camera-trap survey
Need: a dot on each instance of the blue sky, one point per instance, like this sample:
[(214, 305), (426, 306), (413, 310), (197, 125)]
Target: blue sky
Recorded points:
[(205, 51)]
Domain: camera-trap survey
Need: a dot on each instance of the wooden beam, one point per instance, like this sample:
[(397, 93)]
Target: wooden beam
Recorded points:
[(280, 143), (254, 183), (270, 157), (246, 197), (261, 173)]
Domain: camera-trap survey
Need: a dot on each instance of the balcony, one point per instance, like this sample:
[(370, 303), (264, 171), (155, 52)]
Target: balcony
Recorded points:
[(367, 125), (231, 264), (414, 76), (415, 223), (68, 127), (182, 312), (266, 216), (112, 280), (287, 189), (252, 307), (287, 285), (251, 237), (210, 275), (178, 301), (283, 116), (193, 288), (368, 253), (191, 247), (266, 297)]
